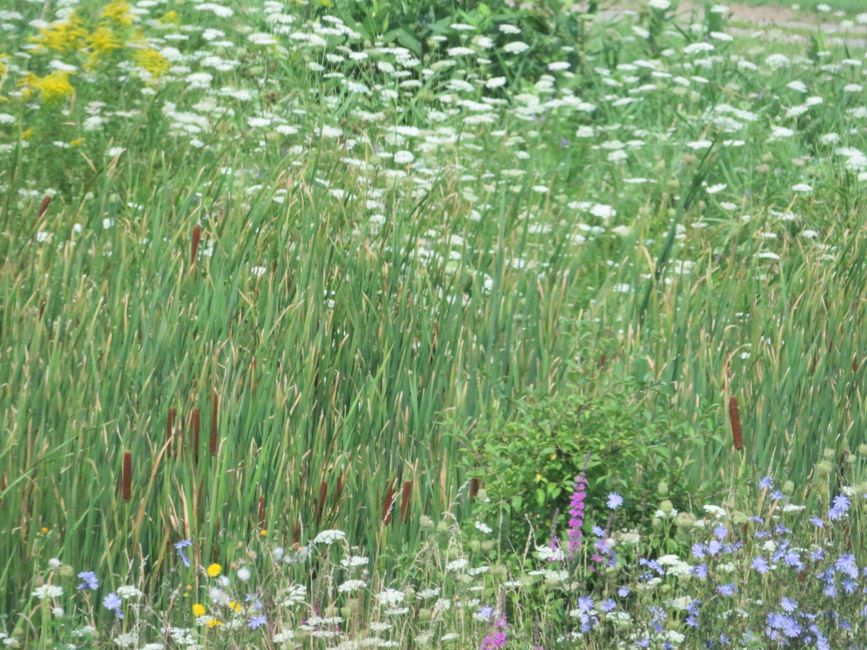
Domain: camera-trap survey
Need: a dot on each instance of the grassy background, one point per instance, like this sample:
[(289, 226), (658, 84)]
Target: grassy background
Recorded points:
[(325, 351)]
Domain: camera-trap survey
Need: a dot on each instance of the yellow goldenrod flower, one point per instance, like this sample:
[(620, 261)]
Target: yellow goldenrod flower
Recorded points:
[(65, 36), (152, 61), (214, 570), (53, 87), (102, 41), (118, 12), (199, 610)]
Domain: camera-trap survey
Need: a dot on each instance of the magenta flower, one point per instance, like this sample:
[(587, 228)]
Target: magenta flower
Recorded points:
[(576, 515), (496, 638)]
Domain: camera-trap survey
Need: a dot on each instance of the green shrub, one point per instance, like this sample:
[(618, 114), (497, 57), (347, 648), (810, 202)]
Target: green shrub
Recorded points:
[(527, 462)]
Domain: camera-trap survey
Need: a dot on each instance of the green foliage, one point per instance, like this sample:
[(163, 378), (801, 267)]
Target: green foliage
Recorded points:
[(528, 462)]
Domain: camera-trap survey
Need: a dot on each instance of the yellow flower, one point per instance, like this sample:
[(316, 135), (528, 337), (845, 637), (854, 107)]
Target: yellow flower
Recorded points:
[(152, 61), (213, 622), (235, 606), (52, 87), (77, 142), (26, 134), (263, 533), (64, 36), (214, 570), (102, 41), (118, 12), (170, 17), (199, 610)]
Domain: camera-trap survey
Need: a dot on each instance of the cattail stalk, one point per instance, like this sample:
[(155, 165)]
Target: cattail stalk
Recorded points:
[(126, 477), (475, 484), (735, 419), (212, 446), (194, 245), (405, 495), (195, 424), (387, 503), (43, 206), (323, 495), (261, 511)]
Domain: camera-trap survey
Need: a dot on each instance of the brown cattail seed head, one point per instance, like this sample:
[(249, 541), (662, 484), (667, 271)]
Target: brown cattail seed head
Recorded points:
[(195, 425), (405, 495), (212, 445), (735, 419), (387, 503), (43, 206), (194, 245), (126, 477), (323, 495)]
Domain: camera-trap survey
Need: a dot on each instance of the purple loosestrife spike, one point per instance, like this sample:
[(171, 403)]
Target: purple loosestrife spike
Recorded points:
[(496, 638), (576, 515)]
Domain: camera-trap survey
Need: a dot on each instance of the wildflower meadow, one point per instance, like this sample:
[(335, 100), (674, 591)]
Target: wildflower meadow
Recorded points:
[(530, 324)]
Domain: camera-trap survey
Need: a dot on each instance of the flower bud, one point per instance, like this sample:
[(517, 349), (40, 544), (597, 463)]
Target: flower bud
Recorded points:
[(685, 520), (829, 454), (488, 545), (824, 467), (862, 450), (666, 506), (788, 488), (662, 489), (425, 522), (475, 545)]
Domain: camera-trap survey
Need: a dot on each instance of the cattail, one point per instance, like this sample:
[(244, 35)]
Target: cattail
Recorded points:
[(261, 510), (126, 477), (214, 412), (43, 206), (387, 503), (338, 489), (475, 484), (323, 494), (735, 418), (296, 533), (170, 425), (603, 359), (405, 495), (195, 423), (194, 246)]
